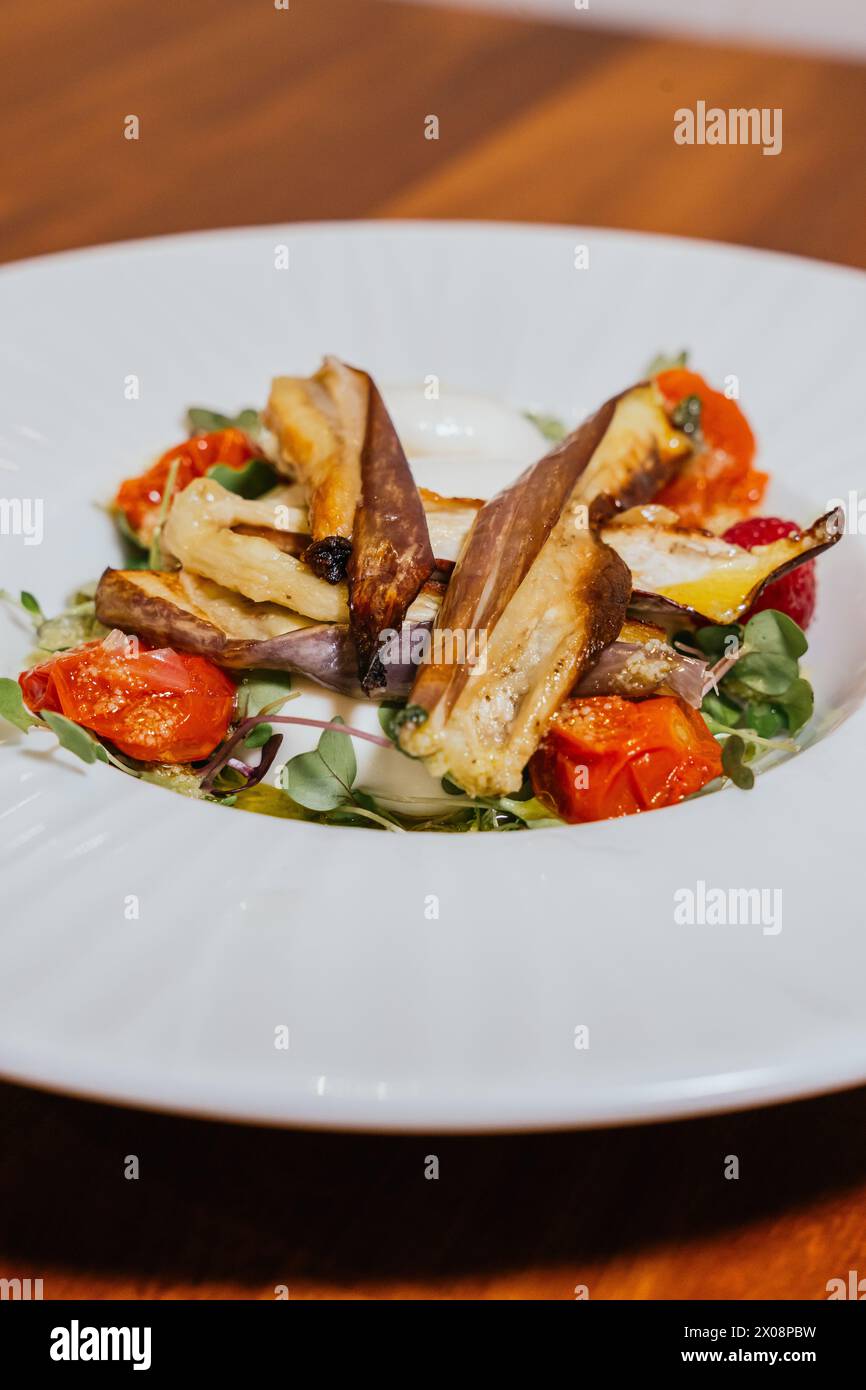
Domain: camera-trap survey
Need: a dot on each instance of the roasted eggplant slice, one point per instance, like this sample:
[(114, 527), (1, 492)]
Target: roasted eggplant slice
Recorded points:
[(391, 553), (449, 521), (202, 534), (638, 669), (195, 615), (366, 517), (540, 596), (320, 423), (695, 575)]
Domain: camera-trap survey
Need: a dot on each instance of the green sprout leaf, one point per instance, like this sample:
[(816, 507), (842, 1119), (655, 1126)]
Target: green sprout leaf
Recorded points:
[(154, 558), (203, 421), (733, 756), (723, 711), (776, 633), (255, 478), (393, 715), (767, 720), (667, 362), (27, 603), (31, 606), (764, 673), (687, 415), (322, 780), (12, 706), (338, 754), (258, 736), (798, 703), (718, 641), (136, 556), (75, 739), (549, 425), (263, 692)]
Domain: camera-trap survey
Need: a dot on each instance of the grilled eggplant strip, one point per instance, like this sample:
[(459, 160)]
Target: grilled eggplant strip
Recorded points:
[(699, 577), (391, 553), (544, 592), (638, 669), (196, 615), (320, 424), (569, 607), (199, 532), (366, 518)]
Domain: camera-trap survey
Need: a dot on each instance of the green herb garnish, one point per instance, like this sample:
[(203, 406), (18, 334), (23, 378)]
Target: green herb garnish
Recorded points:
[(759, 698), (549, 425), (687, 415), (203, 421), (255, 478), (667, 362), (12, 706)]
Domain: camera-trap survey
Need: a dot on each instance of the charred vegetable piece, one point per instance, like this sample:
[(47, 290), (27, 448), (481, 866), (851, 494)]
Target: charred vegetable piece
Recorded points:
[(366, 517), (208, 532), (606, 757), (702, 576), (537, 596), (638, 669), (139, 500), (196, 615), (720, 483), (391, 553), (156, 705), (320, 423)]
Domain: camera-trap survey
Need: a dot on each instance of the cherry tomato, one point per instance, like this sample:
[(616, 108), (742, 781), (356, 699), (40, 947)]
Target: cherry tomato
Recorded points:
[(141, 498), (719, 484), (604, 756), (154, 704)]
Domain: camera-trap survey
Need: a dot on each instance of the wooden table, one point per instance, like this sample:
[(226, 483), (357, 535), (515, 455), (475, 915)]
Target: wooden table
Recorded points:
[(249, 114)]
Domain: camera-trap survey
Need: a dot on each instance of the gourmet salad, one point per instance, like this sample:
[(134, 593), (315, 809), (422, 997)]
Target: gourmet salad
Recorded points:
[(617, 629)]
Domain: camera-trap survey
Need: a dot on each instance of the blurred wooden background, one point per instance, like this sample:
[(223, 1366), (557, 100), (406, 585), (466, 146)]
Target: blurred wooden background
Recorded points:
[(249, 114)]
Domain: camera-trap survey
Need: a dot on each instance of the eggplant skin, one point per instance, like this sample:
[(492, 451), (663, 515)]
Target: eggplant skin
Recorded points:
[(685, 575), (324, 652), (570, 606), (391, 554)]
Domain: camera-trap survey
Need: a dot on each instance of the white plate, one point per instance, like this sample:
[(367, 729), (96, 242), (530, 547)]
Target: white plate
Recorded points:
[(246, 923)]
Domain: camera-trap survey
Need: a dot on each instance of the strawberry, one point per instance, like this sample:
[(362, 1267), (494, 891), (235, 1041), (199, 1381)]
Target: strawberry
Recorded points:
[(794, 593)]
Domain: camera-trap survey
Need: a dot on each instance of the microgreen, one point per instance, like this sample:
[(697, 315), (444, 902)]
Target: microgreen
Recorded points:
[(135, 555), (251, 481), (154, 559), (12, 706), (549, 425), (754, 688), (263, 692), (666, 362), (686, 415), (393, 714), (203, 421), (74, 738), (27, 603), (733, 762)]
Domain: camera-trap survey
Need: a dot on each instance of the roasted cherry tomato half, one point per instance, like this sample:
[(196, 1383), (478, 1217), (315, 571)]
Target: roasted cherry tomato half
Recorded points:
[(140, 498), (154, 704), (604, 756), (719, 484)]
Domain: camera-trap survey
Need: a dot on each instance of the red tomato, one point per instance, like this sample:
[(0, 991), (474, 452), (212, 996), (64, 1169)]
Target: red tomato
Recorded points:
[(604, 756), (156, 705), (141, 498), (719, 484)]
